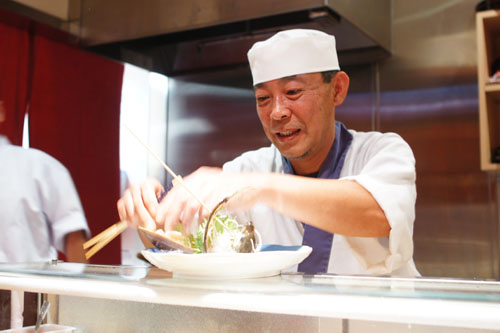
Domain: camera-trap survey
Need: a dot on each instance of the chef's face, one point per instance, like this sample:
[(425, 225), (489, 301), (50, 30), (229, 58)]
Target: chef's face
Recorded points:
[(298, 114)]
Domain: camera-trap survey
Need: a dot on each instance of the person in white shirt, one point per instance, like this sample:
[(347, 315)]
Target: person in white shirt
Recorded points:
[(40, 210), (349, 195), (40, 213)]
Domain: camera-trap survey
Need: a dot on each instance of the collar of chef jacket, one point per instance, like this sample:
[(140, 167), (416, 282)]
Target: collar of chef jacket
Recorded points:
[(320, 240)]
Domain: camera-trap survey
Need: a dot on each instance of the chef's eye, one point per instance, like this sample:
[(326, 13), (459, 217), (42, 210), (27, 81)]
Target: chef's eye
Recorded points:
[(293, 92), (262, 99)]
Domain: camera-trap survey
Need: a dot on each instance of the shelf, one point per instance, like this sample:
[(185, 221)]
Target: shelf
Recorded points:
[(493, 89), (488, 51)]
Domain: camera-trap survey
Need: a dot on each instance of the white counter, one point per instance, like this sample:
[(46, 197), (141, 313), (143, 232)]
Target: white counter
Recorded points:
[(150, 298)]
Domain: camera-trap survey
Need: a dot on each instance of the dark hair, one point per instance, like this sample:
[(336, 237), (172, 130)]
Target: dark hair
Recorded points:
[(328, 75)]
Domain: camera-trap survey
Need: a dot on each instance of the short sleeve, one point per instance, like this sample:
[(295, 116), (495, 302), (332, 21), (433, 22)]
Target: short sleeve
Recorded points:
[(60, 201)]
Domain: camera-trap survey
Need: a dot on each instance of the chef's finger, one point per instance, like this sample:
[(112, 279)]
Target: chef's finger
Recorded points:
[(149, 189), (128, 209), (188, 216), (201, 217), (145, 219), (164, 206), (122, 212), (174, 196), (173, 216)]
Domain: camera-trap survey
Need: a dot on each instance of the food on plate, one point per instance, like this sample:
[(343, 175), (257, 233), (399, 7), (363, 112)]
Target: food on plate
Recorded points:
[(173, 235), (225, 234)]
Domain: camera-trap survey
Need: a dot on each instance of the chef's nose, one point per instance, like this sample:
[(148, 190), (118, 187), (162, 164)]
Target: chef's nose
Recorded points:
[(280, 109)]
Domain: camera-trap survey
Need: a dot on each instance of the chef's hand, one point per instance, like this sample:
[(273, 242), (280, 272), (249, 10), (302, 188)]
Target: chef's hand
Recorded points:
[(139, 204), (181, 206), (210, 185)]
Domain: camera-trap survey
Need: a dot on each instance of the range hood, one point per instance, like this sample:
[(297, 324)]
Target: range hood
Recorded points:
[(177, 37)]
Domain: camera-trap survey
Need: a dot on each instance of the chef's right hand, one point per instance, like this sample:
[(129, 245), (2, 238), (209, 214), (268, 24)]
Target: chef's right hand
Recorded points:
[(139, 204)]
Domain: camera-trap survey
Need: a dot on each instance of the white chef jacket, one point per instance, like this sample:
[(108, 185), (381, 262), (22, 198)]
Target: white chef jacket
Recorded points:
[(385, 166), (39, 205)]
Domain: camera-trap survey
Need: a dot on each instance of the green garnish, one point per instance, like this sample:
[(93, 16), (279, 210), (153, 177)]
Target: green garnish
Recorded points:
[(223, 229)]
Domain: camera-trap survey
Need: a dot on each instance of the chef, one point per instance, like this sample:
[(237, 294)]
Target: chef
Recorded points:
[(349, 195)]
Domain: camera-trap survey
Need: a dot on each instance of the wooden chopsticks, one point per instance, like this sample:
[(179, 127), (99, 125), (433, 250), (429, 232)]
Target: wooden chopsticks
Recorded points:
[(177, 179), (102, 239)]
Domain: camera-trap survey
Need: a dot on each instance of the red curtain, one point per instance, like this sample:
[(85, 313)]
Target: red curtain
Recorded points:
[(75, 117), (14, 45), (74, 109)]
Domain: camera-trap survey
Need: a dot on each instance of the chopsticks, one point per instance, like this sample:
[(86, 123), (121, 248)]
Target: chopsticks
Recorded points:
[(177, 179), (102, 239)]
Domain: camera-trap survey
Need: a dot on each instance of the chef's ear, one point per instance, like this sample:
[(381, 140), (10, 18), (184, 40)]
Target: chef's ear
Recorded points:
[(341, 86)]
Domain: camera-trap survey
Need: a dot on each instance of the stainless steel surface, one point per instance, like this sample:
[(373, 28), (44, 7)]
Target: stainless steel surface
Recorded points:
[(371, 17), (63, 15), (179, 36), (118, 20), (429, 96), (209, 124)]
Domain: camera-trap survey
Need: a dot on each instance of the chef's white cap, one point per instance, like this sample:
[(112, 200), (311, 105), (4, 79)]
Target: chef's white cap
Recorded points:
[(292, 52)]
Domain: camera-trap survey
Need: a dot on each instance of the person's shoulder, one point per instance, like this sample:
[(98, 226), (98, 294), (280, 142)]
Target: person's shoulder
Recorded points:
[(41, 159), (262, 152), (380, 153), (376, 139), (389, 146), (262, 159), (41, 155), (375, 135), (20, 154)]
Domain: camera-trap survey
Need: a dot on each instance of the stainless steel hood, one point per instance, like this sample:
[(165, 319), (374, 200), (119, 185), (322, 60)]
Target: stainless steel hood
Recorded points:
[(186, 36)]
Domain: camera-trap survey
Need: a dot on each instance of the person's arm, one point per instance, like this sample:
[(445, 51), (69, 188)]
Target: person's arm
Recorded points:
[(74, 246), (338, 206)]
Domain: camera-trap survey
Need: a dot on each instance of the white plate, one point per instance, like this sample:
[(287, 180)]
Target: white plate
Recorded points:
[(227, 265)]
